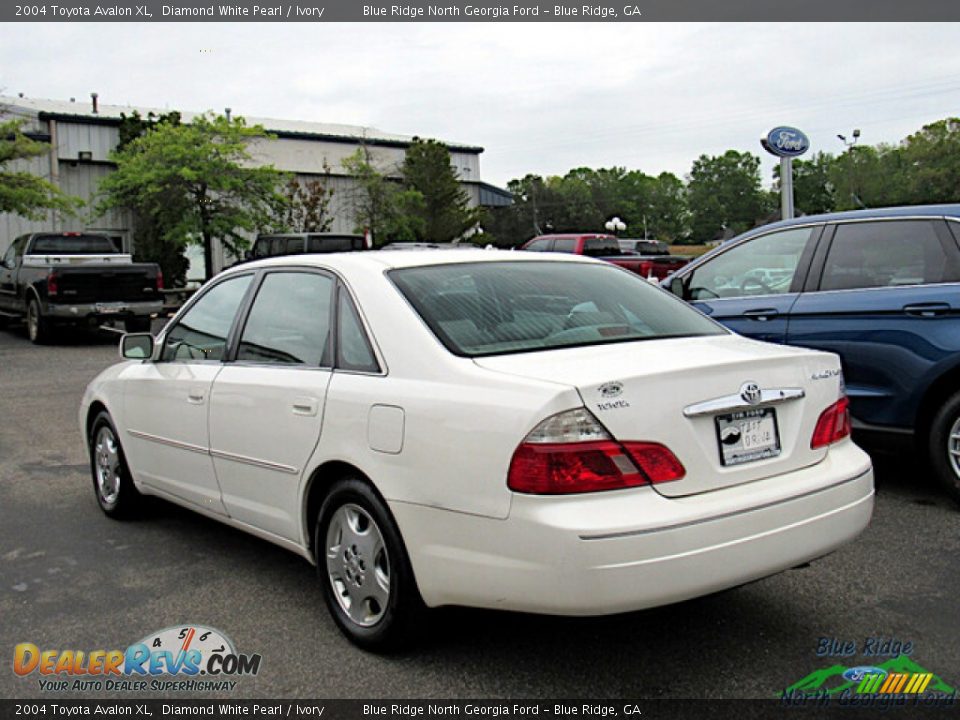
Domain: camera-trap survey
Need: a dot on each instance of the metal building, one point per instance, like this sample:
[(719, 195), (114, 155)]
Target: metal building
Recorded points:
[(82, 135)]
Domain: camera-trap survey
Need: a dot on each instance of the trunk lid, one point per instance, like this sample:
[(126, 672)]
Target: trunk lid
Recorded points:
[(672, 391)]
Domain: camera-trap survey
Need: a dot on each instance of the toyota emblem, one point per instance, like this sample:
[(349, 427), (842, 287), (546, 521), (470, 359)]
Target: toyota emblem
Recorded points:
[(750, 392)]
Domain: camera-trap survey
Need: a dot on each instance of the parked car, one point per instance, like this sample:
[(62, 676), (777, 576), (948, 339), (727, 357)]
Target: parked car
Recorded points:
[(272, 245), (881, 288), (53, 279), (506, 430), (607, 247)]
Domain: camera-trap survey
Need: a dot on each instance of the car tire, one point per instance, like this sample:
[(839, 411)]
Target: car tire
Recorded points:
[(944, 446), (137, 324), (113, 486), (364, 570), (38, 327)]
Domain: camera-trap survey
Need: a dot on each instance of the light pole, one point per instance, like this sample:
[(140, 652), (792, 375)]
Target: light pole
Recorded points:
[(615, 225), (854, 198)]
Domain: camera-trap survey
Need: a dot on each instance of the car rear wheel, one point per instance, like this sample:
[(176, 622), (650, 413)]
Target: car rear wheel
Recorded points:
[(364, 570), (38, 328), (116, 494), (944, 448)]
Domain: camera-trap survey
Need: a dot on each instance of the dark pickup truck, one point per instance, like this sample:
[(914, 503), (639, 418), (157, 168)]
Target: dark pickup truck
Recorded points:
[(58, 278), (606, 247)]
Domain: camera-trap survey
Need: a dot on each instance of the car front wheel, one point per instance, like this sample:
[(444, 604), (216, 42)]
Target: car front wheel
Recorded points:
[(944, 449), (364, 570), (116, 494)]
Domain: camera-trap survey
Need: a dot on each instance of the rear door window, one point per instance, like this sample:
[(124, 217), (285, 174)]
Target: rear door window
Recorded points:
[(289, 322), (887, 254), (542, 245)]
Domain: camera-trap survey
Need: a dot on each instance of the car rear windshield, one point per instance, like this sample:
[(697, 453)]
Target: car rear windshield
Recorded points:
[(494, 308), (72, 245)]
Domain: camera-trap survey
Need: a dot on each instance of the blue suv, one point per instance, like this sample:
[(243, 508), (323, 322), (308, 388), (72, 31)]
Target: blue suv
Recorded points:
[(881, 288)]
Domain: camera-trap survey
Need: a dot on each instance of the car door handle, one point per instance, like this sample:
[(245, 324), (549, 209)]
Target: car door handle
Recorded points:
[(761, 315), (195, 397), (927, 309), (306, 406)]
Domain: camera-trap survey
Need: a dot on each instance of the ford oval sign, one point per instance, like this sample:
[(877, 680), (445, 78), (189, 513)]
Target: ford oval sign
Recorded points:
[(786, 142)]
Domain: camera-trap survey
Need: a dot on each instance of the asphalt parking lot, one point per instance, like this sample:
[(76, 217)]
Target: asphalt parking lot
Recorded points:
[(71, 578)]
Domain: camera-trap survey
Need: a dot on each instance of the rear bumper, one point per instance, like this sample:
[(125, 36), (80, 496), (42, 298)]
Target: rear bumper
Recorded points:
[(622, 551), (106, 310)]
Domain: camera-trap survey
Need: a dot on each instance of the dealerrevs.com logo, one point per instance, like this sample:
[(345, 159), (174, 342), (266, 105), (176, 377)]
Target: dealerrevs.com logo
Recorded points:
[(183, 657)]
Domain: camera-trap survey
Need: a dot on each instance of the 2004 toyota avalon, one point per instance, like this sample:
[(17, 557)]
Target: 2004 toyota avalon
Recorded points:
[(491, 429)]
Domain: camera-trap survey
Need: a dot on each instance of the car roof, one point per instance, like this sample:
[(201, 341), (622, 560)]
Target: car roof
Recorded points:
[(373, 259), (946, 210)]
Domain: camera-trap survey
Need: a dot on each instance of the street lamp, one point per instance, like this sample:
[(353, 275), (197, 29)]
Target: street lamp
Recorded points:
[(615, 225), (849, 145)]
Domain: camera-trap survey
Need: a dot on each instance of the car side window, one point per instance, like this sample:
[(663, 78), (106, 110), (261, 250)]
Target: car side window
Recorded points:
[(353, 348), (289, 321), (765, 265), (565, 245), (539, 246), (887, 254), (201, 334)]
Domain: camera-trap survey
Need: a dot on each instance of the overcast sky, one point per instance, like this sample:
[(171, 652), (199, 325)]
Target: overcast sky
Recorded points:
[(541, 98)]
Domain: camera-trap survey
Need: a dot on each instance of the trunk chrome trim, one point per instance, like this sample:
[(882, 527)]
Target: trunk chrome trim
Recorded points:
[(266, 464), (733, 513), (735, 403)]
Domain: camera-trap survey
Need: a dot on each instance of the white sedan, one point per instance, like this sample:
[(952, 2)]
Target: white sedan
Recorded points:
[(491, 429)]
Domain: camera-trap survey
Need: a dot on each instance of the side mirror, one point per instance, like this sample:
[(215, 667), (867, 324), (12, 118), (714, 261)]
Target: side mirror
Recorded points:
[(136, 346), (676, 287), (248, 254)]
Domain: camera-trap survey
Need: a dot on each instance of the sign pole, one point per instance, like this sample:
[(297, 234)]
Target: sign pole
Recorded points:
[(786, 188)]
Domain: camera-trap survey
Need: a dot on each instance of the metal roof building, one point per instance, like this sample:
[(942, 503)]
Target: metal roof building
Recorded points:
[(82, 135)]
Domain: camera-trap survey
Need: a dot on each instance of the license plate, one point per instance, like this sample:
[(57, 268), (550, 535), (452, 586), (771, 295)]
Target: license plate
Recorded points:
[(748, 435), (110, 308)]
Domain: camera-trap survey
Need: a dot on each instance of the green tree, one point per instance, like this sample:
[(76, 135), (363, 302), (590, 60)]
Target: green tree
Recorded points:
[(21, 192), (814, 191), (932, 160), (376, 200), (307, 207), (434, 194), (197, 181), (724, 194), (149, 242)]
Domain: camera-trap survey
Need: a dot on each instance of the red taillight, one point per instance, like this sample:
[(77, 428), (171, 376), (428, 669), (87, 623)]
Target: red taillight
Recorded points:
[(159, 279), (53, 286), (833, 425), (656, 461), (580, 467)]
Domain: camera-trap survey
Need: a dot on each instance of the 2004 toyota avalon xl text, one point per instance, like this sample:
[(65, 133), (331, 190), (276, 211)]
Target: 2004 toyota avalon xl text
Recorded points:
[(492, 429)]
